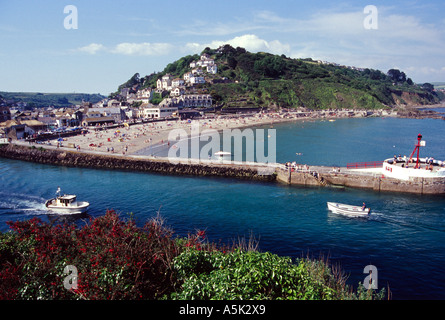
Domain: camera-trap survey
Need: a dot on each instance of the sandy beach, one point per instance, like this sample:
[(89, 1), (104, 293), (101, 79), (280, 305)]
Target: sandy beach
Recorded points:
[(130, 139)]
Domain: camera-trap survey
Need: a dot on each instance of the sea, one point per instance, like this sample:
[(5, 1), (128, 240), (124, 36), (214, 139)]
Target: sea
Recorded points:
[(403, 238)]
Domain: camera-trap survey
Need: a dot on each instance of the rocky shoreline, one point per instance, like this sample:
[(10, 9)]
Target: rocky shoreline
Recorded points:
[(420, 114)]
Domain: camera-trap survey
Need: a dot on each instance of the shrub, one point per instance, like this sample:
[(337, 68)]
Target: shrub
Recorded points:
[(117, 260), (254, 275), (114, 259)]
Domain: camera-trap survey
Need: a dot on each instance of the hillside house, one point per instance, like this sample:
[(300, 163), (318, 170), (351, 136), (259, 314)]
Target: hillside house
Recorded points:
[(196, 80), (197, 71), (187, 76), (178, 91), (144, 95), (213, 69), (177, 82), (204, 61), (165, 83)]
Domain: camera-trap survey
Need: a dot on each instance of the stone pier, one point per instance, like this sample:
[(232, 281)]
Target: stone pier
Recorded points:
[(315, 176), (374, 180)]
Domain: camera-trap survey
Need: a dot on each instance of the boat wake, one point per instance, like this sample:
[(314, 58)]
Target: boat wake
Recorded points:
[(11, 204), (407, 222)]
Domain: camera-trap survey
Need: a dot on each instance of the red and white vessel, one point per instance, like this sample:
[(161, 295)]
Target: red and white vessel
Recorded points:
[(414, 166)]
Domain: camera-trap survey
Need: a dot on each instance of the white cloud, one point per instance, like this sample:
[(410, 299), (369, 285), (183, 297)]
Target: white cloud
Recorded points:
[(131, 49), (92, 48), (416, 46), (250, 42)]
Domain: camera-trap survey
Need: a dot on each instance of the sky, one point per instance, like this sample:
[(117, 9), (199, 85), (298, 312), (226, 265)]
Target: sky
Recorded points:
[(94, 46)]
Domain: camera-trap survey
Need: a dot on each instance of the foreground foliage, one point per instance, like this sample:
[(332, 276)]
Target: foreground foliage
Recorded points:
[(115, 259)]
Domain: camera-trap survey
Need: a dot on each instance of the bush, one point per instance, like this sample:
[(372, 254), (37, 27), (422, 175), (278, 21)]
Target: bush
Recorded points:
[(254, 275), (117, 260), (114, 259)]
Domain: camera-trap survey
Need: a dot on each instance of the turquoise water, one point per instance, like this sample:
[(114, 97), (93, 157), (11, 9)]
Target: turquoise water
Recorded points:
[(404, 237)]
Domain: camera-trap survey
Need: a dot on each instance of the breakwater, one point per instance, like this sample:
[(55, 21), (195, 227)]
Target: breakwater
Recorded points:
[(115, 162), (317, 176), (324, 176)]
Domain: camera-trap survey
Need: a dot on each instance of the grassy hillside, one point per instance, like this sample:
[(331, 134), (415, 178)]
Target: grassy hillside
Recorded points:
[(261, 80), (37, 99)]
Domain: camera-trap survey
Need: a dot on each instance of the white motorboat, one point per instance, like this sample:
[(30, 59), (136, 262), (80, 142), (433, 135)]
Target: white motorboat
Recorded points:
[(222, 155), (66, 204), (349, 210)]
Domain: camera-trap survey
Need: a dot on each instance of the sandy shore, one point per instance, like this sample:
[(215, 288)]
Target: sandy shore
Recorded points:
[(131, 139)]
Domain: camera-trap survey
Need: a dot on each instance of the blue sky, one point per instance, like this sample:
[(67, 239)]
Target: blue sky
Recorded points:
[(115, 39)]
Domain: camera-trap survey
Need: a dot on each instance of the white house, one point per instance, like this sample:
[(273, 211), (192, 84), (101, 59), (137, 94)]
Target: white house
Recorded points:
[(177, 82), (197, 71), (165, 83), (213, 69), (159, 112), (118, 114), (196, 80), (177, 91), (144, 95), (204, 61), (187, 76)]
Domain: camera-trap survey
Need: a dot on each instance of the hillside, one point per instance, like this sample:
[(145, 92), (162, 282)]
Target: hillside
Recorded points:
[(58, 100), (263, 80)]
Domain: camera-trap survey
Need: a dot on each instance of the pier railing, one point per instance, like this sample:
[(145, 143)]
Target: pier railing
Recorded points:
[(365, 165)]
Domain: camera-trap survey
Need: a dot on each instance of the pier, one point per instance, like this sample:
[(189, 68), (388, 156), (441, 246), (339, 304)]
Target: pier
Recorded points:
[(311, 176), (370, 178)]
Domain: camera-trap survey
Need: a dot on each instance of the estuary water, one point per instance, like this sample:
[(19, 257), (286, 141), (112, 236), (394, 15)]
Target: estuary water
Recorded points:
[(404, 237)]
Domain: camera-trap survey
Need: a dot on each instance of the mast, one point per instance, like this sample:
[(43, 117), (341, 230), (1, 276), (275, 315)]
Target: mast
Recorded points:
[(417, 147)]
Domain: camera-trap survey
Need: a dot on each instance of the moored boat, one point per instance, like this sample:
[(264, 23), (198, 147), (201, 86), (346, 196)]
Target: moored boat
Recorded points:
[(349, 210), (411, 167), (66, 204), (222, 155), (406, 168)]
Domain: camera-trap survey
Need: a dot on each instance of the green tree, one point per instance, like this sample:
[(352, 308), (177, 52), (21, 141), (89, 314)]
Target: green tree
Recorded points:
[(428, 87)]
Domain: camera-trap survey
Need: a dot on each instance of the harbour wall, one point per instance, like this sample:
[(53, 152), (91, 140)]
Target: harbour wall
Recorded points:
[(115, 162), (350, 178), (324, 175)]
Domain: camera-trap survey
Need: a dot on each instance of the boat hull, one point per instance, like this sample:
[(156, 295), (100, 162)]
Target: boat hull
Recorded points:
[(348, 210), (81, 207)]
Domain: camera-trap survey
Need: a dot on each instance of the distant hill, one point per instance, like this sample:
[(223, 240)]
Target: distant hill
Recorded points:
[(58, 100), (438, 85), (263, 80)]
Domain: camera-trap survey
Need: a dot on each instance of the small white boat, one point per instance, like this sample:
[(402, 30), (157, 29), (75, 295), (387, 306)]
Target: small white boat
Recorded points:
[(66, 204), (222, 153), (346, 209)]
